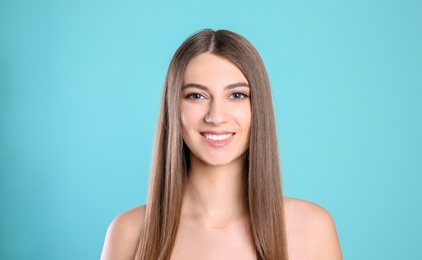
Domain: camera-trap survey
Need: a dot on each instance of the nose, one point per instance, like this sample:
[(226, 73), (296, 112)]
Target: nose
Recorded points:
[(217, 113)]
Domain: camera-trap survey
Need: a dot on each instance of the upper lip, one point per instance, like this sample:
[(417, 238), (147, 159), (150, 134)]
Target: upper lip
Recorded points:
[(212, 132)]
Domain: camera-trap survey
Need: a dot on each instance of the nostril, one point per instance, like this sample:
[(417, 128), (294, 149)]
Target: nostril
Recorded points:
[(208, 119)]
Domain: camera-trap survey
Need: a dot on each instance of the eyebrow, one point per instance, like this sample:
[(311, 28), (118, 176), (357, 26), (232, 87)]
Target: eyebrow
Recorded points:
[(231, 86)]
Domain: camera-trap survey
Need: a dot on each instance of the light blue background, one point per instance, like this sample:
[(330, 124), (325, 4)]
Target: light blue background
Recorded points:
[(80, 86)]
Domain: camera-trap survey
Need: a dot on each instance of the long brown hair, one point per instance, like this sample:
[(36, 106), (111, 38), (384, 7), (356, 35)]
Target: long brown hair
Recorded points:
[(263, 195)]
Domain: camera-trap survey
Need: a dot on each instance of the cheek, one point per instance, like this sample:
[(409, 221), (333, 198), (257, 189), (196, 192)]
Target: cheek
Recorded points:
[(189, 117), (243, 116), (184, 121)]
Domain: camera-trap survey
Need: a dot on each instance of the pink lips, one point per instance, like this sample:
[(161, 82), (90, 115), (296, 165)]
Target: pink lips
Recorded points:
[(213, 136)]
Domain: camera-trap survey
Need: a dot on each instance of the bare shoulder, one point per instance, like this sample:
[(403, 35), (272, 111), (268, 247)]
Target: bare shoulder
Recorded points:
[(123, 235), (305, 210), (310, 230)]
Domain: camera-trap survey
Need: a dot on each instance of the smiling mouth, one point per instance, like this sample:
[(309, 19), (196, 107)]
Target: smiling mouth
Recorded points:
[(214, 137)]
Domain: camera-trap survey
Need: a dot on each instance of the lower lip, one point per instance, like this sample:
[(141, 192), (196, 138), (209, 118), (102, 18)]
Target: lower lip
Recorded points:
[(218, 143)]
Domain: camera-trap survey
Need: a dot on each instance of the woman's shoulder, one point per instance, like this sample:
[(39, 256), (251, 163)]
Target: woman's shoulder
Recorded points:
[(305, 209), (310, 230), (306, 214), (123, 234)]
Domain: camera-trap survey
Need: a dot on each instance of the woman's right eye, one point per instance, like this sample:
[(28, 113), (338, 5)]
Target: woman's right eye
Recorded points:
[(195, 96)]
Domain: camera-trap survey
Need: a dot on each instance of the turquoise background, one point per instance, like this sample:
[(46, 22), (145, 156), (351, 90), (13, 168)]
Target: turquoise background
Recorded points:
[(81, 82)]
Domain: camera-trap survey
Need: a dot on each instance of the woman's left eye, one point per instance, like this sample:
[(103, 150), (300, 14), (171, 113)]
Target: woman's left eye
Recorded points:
[(238, 95)]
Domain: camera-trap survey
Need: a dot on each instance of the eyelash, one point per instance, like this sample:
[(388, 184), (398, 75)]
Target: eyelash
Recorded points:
[(200, 96)]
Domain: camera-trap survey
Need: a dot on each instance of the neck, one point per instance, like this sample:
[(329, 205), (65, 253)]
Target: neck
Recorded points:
[(215, 193)]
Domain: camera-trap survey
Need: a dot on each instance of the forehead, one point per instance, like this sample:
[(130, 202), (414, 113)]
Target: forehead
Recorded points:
[(212, 70)]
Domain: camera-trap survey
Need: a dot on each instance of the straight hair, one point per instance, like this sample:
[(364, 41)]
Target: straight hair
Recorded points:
[(262, 182)]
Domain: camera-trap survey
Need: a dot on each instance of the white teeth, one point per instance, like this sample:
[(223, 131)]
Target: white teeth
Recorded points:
[(218, 137)]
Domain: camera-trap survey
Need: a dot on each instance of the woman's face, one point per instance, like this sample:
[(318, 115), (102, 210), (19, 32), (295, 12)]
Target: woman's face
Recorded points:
[(215, 110)]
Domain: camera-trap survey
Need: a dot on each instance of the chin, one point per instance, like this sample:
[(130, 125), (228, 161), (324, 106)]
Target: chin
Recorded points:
[(223, 161)]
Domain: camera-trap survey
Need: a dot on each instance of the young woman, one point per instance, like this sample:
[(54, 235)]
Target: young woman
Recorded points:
[(215, 190)]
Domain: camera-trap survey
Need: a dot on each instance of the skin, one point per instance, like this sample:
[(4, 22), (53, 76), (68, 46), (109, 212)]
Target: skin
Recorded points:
[(214, 223)]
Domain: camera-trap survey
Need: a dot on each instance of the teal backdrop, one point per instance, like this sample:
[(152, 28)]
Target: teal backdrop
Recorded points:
[(80, 87)]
